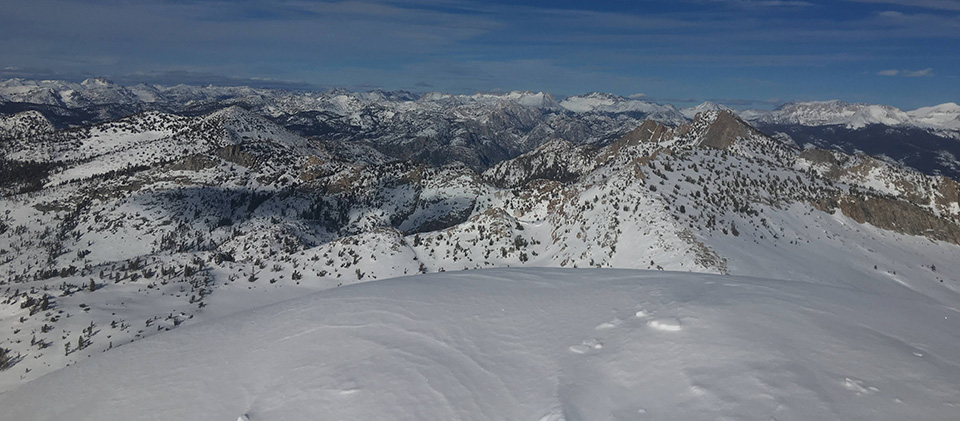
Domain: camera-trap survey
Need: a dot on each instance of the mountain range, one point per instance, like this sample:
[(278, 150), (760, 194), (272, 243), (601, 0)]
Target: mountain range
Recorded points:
[(481, 130), (127, 212)]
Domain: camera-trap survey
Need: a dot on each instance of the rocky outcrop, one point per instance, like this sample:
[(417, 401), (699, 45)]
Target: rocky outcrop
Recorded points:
[(236, 155), (894, 215), (193, 163)]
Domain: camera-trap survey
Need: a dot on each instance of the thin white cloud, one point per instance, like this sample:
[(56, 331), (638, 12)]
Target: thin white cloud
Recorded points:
[(953, 5), (928, 72), (776, 3)]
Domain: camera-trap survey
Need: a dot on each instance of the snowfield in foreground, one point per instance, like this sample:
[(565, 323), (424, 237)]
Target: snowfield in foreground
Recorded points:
[(533, 344)]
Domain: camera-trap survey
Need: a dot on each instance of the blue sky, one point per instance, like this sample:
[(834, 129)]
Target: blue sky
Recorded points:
[(745, 53)]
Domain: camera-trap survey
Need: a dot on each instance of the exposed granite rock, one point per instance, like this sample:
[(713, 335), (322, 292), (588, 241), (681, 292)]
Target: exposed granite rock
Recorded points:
[(894, 215), (236, 155)]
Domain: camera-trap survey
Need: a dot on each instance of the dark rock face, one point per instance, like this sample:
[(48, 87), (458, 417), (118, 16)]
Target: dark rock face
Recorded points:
[(648, 131), (193, 163), (949, 191)]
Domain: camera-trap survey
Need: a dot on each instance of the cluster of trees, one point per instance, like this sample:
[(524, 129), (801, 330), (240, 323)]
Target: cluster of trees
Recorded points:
[(18, 177)]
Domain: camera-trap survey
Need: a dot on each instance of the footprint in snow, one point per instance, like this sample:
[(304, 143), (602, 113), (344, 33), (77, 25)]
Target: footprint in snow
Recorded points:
[(609, 325), (667, 324), (586, 346), (858, 386)]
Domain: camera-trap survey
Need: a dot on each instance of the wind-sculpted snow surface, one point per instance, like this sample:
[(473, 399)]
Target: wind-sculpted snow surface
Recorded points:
[(533, 344)]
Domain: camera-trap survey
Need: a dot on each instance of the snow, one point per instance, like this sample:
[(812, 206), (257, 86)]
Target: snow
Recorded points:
[(546, 344)]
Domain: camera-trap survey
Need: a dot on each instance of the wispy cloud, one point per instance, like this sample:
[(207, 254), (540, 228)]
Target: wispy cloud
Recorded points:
[(767, 3), (928, 72), (741, 102), (953, 5)]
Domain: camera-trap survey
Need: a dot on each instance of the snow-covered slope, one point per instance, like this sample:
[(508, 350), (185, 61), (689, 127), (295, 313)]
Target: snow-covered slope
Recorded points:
[(533, 344)]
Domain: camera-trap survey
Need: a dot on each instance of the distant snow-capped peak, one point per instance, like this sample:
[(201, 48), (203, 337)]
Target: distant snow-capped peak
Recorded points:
[(692, 112), (834, 112), (944, 115), (96, 82)]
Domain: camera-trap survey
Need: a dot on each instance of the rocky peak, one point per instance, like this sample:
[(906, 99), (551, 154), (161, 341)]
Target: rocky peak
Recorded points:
[(725, 129)]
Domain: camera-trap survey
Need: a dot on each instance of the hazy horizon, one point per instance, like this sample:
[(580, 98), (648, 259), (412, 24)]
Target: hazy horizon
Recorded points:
[(742, 53)]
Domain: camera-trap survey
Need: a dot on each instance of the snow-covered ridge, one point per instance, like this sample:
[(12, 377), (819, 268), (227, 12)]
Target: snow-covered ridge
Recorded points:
[(609, 103), (24, 124), (533, 344), (857, 116)]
